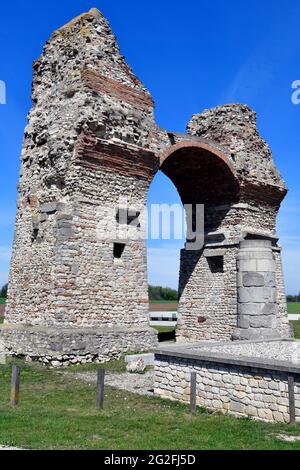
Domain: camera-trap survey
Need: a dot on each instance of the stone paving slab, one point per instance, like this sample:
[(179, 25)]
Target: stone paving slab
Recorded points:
[(279, 350), (276, 354)]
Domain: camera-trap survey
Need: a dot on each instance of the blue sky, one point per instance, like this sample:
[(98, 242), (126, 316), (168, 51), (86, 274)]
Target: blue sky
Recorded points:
[(191, 55)]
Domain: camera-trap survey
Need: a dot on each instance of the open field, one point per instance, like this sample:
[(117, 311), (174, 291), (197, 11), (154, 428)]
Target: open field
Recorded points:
[(163, 306), (58, 412), (294, 307)]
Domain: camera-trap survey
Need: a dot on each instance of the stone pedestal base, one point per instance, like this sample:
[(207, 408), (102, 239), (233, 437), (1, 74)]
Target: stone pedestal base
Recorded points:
[(65, 346), (255, 334), (257, 291)]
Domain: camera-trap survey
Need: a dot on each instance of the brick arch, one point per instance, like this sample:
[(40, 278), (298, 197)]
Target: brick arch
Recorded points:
[(201, 173), (190, 144)]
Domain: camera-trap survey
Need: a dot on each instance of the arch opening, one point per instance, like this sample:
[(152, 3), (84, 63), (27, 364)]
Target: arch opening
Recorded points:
[(202, 176)]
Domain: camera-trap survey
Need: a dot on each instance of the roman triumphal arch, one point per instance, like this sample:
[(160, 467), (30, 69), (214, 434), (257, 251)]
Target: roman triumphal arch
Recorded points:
[(77, 291)]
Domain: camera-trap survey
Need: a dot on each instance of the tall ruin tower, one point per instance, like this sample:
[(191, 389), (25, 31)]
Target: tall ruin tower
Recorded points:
[(76, 293), (87, 144)]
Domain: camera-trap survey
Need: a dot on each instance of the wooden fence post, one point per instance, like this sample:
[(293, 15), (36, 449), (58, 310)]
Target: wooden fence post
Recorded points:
[(15, 385), (291, 387), (193, 392), (100, 389)]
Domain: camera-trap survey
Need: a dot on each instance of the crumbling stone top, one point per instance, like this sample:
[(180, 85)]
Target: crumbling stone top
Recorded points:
[(234, 126), (86, 42)]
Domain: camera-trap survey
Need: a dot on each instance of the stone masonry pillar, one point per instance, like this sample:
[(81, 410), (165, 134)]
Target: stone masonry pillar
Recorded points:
[(257, 307)]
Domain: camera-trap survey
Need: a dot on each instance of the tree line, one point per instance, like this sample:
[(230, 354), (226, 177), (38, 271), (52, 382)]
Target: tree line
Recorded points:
[(293, 298), (162, 293), (3, 291)]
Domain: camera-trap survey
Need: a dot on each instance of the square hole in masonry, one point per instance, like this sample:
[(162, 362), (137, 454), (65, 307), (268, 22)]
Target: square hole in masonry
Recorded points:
[(128, 216), (216, 264), (118, 250)]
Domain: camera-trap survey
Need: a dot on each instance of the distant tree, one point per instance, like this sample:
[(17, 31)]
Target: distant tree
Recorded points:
[(3, 291), (169, 294), (293, 298), (162, 293), (154, 292)]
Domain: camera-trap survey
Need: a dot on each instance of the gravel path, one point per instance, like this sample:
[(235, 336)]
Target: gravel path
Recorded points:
[(278, 350), (9, 448), (141, 384)]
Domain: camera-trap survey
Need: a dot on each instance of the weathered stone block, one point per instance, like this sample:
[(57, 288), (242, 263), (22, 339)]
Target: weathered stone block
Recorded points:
[(265, 414), (251, 410), (48, 207), (243, 321), (270, 279), (253, 280), (264, 321), (237, 407), (265, 265), (247, 265), (256, 294)]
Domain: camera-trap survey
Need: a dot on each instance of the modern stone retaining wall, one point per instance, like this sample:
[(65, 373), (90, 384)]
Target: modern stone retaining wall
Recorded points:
[(64, 346), (243, 391)]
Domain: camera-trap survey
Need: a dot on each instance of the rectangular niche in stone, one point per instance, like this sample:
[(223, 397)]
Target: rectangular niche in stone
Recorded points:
[(216, 264), (119, 250), (126, 216)]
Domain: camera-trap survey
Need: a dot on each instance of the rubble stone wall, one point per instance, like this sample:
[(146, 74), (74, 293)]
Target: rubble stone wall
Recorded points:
[(59, 347)]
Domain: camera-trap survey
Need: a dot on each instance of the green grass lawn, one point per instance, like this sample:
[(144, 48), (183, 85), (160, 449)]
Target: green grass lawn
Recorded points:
[(294, 307), (296, 327), (165, 333), (58, 412), (164, 329), (2, 300)]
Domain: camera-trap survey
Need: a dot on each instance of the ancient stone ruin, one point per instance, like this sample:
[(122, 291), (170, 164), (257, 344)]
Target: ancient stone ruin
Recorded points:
[(91, 139)]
